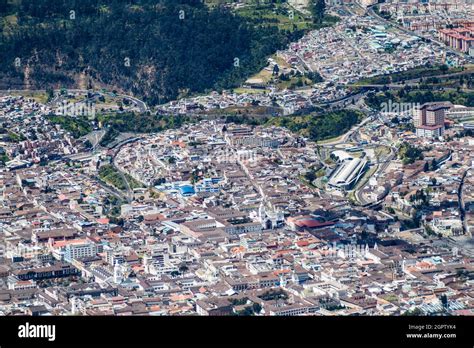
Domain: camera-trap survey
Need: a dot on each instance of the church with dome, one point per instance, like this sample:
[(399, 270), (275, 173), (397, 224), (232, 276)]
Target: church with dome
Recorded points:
[(270, 218)]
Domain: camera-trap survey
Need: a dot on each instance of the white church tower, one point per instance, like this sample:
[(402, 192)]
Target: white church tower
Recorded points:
[(118, 275), (270, 218)]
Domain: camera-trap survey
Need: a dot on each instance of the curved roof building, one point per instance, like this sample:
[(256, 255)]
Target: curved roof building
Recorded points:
[(348, 173)]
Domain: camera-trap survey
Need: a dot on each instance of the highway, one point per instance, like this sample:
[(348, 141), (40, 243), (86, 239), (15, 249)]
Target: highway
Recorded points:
[(115, 151), (95, 137), (381, 168), (349, 99), (465, 227), (142, 106), (414, 82), (139, 103), (129, 193), (344, 138), (465, 244), (109, 189)]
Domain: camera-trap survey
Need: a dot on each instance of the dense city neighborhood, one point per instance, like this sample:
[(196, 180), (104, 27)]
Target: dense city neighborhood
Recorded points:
[(215, 213)]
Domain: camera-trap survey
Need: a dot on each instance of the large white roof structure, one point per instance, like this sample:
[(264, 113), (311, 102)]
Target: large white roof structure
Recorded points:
[(348, 173)]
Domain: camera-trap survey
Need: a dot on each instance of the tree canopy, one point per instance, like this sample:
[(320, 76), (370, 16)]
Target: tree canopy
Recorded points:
[(158, 50)]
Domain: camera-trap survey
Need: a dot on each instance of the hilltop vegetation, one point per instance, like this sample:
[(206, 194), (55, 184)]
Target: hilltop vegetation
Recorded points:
[(415, 73), (138, 123), (142, 123), (419, 96), (409, 154), (158, 50), (117, 123), (316, 127), (77, 126), (112, 176), (320, 127)]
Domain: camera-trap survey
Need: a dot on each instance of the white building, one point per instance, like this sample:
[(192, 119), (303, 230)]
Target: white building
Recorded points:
[(430, 131), (348, 173)]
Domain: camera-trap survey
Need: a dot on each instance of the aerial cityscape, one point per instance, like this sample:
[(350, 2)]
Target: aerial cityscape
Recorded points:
[(317, 159)]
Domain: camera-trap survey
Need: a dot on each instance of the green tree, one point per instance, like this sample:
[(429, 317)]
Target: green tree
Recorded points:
[(318, 9), (183, 268), (414, 312)]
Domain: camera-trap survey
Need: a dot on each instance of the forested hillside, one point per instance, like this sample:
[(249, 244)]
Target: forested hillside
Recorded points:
[(157, 50), (320, 127)]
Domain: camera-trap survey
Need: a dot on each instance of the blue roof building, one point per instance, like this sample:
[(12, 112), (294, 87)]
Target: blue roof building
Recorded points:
[(187, 190)]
